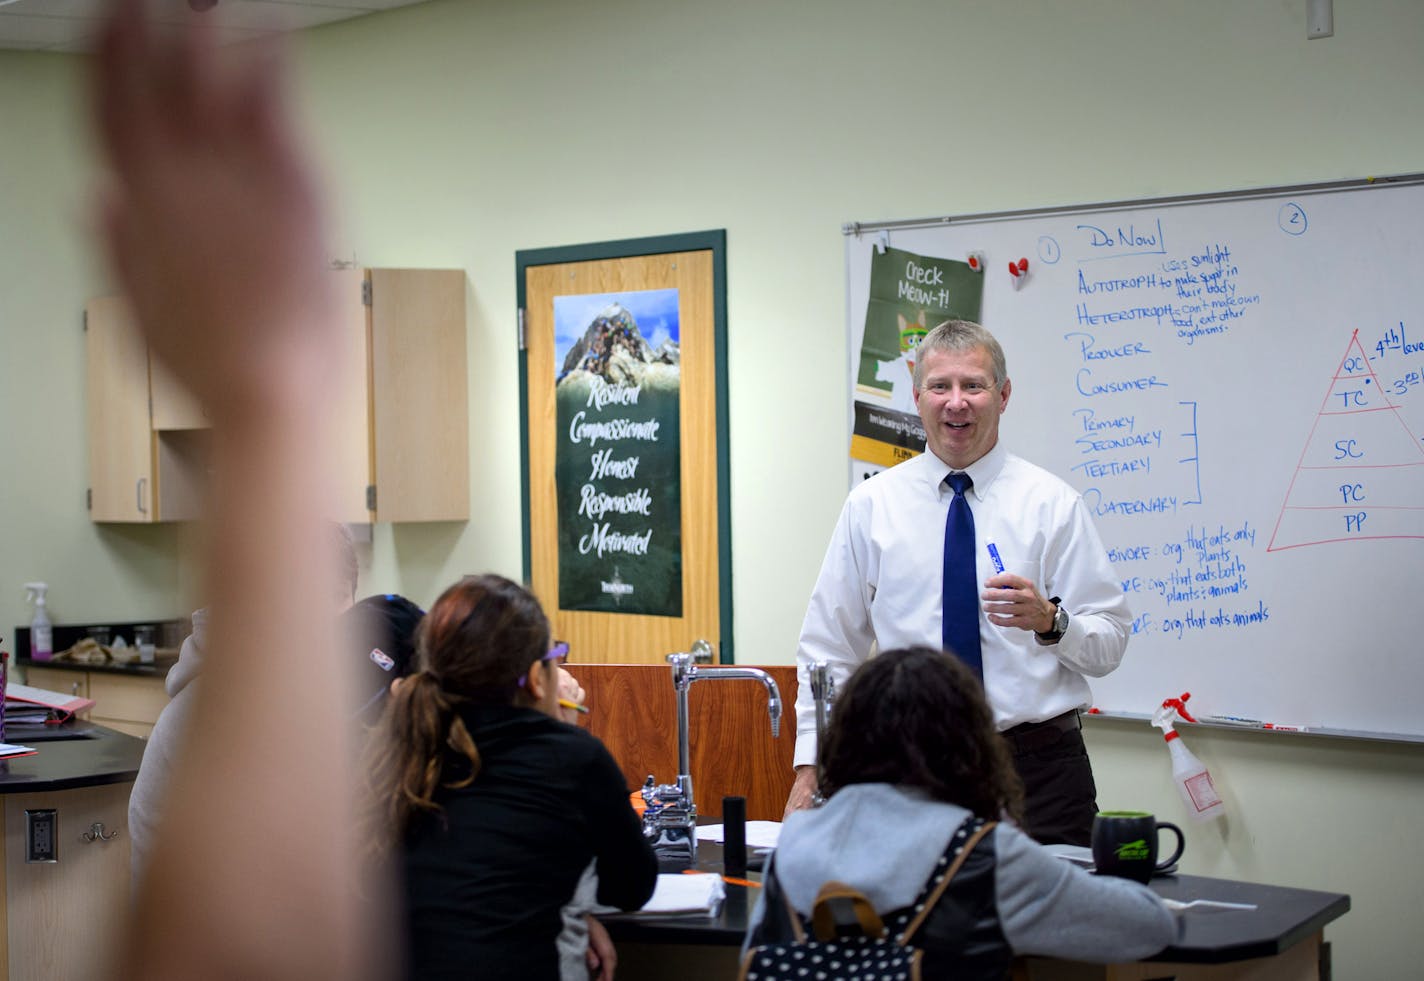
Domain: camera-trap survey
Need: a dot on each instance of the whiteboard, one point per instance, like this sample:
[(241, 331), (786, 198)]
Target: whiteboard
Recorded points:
[(1235, 384)]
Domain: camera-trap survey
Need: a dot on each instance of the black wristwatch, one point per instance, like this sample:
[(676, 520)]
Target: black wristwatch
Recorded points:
[(1060, 623)]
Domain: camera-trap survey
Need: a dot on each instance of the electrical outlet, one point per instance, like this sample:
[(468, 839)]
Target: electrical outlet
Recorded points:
[(42, 836)]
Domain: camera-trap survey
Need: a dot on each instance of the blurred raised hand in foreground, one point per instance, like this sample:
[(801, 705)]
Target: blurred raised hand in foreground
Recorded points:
[(212, 221)]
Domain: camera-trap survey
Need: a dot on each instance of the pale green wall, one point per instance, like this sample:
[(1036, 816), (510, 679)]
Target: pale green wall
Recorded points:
[(46, 271), (458, 132)]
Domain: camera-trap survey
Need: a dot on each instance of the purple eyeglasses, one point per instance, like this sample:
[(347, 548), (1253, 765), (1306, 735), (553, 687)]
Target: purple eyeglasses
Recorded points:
[(559, 654)]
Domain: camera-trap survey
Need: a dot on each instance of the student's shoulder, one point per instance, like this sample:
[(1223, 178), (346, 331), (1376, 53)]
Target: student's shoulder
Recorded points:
[(575, 743), (592, 765)]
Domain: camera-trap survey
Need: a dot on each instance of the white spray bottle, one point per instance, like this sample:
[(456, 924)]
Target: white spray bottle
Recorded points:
[(41, 630), (1190, 774)]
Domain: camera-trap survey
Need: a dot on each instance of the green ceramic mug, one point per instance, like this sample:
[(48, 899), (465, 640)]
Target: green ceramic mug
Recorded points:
[(1125, 844)]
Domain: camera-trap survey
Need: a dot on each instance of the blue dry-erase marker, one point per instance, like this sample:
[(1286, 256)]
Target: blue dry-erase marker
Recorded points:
[(994, 554)]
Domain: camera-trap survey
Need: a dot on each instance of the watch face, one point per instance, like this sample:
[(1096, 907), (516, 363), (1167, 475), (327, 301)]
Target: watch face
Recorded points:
[(1060, 620)]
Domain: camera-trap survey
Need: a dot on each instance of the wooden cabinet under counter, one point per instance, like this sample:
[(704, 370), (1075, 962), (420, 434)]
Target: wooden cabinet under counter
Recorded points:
[(65, 680), (127, 703), (61, 912), (125, 699)]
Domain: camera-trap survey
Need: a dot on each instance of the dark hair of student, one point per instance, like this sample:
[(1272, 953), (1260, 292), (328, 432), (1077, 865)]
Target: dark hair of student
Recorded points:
[(482, 635), (917, 717)]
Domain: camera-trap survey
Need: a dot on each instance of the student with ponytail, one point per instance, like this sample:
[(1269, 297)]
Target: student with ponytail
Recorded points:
[(491, 807)]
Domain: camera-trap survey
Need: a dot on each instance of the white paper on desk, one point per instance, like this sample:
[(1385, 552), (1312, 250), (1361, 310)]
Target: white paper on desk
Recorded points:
[(677, 892), (760, 834), (1077, 854), (1176, 905)]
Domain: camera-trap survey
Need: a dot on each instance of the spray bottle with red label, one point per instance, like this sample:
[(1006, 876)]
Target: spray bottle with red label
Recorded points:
[(1188, 773)]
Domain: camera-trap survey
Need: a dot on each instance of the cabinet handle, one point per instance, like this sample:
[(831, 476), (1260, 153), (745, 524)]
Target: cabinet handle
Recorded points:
[(96, 833), (139, 489)]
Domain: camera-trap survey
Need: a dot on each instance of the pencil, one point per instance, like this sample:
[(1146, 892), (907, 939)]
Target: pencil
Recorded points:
[(726, 878), (741, 882), (565, 703)]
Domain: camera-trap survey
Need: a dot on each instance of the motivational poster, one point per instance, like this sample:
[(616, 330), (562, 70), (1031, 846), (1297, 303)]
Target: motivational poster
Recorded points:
[(618, 463)]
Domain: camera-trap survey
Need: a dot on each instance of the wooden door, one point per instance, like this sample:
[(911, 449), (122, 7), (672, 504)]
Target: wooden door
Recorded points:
[(116, 396), (612, 637)]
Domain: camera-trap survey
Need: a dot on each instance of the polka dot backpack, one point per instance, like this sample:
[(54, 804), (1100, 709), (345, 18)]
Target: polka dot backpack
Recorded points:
[(849, 940)]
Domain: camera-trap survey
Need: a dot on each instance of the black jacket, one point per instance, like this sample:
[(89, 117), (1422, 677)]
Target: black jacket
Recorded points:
[(486, 876)]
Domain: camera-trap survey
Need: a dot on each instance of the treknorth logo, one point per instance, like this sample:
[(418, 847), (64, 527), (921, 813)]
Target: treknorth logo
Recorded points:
[(616, 588), (1133, 851)]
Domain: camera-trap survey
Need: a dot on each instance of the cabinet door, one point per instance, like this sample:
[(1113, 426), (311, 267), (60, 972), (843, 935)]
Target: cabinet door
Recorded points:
[(421, 405), (116, 396), (62, 680), (174, 407), (63, 916), (126, 702), (351, 452)]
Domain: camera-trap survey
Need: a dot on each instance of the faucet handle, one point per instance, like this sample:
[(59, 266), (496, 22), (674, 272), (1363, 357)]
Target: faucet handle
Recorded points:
[(701, 652)]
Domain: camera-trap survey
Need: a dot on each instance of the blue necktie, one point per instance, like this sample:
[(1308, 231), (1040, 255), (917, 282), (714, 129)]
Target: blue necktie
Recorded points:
[(961, 587)]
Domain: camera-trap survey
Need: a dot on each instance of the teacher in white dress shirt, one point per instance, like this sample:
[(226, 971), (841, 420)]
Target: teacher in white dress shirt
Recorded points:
[(1045, 611)]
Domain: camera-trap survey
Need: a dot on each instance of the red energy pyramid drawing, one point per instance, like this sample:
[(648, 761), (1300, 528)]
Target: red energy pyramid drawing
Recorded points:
[(1361, 474)]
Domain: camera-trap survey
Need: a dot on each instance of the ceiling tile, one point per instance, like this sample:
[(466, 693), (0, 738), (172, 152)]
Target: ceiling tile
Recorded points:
[(69, 25)]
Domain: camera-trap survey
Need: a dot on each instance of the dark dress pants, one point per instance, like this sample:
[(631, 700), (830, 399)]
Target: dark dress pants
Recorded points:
[(1060, 797)]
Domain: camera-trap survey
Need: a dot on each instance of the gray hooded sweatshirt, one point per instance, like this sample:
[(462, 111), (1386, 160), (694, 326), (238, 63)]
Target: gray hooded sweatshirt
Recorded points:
[(163, 746), (884, 840)]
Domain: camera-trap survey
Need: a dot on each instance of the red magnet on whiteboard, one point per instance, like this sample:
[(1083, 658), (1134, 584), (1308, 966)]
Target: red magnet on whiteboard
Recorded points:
[(976, 261), (1018, 272)]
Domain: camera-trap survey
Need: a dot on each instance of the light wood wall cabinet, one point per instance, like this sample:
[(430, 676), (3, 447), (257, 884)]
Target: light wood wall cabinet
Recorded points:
[(410, 461), (402, 451), (147, 445)]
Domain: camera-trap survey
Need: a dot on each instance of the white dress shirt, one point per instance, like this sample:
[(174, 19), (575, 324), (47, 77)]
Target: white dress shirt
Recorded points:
[(881, 581)]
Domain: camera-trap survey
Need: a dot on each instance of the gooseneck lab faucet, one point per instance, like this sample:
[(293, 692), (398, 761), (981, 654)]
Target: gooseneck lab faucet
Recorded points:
[(823, 693), (670, 812)]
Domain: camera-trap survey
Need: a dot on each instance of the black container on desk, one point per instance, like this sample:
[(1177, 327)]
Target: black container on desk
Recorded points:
[(734, 836)]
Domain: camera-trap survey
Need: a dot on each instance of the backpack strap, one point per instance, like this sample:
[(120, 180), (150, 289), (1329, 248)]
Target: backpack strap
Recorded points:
[(961, 843), (843, 911), (797, 926)]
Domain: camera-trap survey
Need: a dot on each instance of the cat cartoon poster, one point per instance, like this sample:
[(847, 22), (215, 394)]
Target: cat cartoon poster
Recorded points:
[(909, 294)]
